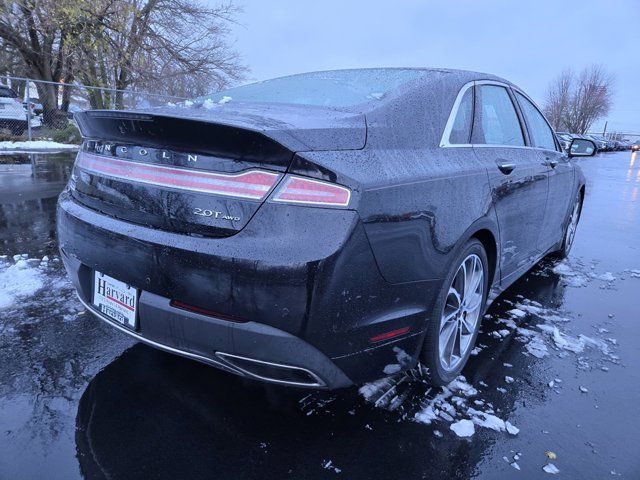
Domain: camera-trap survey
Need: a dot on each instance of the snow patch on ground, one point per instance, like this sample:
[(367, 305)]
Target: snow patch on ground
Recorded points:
[(635, 273), (451, 404), (543, 332), (27, 283), (19, 280), (328, 465), (575, 273), (463, 428), (571, 274), (35, 145)]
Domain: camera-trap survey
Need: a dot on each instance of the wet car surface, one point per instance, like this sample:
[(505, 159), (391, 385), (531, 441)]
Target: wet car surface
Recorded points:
[(558, 358)]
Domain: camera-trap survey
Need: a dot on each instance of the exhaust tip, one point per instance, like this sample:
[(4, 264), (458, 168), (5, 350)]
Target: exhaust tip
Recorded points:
[(273, 372)]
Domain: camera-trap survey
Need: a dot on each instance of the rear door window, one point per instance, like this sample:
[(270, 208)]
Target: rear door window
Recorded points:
[(496, 121), (540, 133)]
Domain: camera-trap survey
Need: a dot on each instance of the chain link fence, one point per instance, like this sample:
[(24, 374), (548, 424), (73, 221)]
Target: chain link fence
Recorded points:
[(38, 110)]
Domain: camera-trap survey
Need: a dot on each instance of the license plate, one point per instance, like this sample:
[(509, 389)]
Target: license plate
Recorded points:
[(115, 299)]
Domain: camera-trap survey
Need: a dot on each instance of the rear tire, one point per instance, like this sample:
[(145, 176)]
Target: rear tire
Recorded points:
[(456, 316)]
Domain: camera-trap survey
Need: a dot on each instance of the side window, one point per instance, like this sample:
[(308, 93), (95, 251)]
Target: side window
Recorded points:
[(496, 121), (461, 130), (539, 132)]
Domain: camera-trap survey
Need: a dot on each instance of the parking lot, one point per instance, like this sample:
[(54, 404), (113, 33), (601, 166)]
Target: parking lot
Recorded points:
[(558, 359)]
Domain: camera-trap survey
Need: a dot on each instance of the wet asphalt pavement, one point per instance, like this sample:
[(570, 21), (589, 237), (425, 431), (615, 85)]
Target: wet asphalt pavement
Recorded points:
[(559, 358)]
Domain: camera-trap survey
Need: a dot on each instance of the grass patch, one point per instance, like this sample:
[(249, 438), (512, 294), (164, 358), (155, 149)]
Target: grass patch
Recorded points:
[(70, 134)]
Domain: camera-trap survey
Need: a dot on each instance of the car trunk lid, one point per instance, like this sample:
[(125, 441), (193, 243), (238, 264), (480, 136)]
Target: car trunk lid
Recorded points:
[(198, 171)]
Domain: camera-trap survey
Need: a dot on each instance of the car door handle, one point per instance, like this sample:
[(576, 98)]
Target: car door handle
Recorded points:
[(506, 167), (550, 163)]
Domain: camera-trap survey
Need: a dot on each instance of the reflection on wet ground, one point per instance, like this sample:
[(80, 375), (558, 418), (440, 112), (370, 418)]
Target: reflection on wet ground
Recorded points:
[(29, 188), (558, 359)]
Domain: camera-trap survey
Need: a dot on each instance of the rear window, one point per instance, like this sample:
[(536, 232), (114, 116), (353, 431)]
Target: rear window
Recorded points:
[(339, 88), (7, 93)]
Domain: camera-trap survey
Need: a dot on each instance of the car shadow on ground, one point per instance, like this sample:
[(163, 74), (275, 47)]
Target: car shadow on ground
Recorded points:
[(158, 415)]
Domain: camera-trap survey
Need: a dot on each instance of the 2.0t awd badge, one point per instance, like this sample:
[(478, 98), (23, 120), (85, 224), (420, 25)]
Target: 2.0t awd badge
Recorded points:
[(212, 213)]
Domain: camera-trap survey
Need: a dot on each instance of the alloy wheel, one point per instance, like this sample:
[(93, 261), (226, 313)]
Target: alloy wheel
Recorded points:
[(461, 312)]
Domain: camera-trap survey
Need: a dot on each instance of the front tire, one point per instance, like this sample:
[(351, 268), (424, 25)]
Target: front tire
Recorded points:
[(570, 229), (456, 316)]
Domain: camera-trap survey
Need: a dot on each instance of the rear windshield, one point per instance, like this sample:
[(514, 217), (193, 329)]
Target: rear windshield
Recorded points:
[(339, 88), (7, 93)]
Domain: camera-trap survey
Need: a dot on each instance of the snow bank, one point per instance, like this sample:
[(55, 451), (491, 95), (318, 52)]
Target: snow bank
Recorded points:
[(35, 145), (635, 273), (17, 281)]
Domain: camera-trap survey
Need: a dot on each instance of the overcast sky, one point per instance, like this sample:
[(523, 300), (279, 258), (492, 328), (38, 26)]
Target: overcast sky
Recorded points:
[(526, 42)]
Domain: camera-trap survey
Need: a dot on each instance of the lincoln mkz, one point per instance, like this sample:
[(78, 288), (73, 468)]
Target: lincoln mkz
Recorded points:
[(318, 230)]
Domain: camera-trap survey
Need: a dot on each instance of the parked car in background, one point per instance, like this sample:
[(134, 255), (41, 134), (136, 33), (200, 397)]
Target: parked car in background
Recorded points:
[(626, 144), (565, 140), (601, 144), (611, 145), (310, 230), (36, 106), (12, 113)]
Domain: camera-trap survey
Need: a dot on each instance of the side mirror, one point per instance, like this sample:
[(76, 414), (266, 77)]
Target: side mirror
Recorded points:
[(581, 147)]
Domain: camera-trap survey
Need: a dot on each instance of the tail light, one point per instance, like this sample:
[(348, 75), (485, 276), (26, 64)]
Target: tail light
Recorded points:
[(311, 192), (252, 184)]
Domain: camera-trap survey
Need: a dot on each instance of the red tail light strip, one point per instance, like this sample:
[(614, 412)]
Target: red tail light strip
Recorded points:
[(253, 184), (312, 192)]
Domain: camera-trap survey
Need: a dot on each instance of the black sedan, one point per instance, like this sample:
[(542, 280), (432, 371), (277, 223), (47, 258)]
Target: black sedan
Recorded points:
[(318, 230)]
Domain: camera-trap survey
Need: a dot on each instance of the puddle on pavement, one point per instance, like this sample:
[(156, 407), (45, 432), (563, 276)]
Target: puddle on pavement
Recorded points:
[(29, 187), (80, 399)]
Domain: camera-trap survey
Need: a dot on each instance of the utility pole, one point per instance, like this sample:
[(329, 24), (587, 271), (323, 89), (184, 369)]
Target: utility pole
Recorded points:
[(604, 132)]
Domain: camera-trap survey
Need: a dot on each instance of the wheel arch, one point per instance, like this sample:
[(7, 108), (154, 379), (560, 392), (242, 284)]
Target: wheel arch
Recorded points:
[(486, 231), (488, 240), (582, 190)]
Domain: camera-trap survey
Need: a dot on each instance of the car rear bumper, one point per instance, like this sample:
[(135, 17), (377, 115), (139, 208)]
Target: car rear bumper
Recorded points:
[(309, 299), (291, 360)]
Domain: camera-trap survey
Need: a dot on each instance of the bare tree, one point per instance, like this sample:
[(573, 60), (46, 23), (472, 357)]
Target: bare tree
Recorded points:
[(119, 44), (161, 45), (37, 30), (558, 98), (10, 62), (574, 102)]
